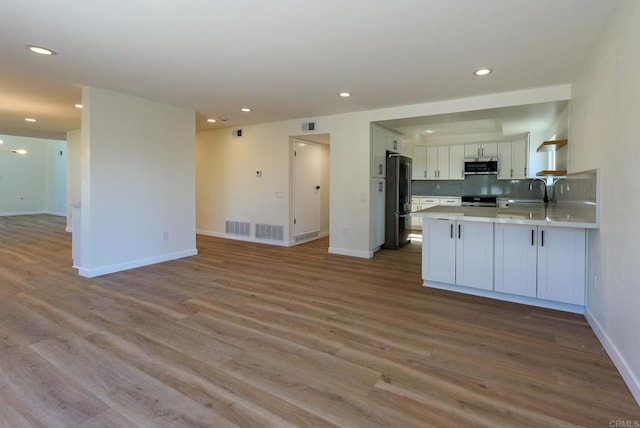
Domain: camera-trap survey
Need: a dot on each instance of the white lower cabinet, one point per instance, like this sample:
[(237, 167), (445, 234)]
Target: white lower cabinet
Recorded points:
[(515, 259), (561, 264), (438, 250), (458, 252), (543, 262), (474, 254)]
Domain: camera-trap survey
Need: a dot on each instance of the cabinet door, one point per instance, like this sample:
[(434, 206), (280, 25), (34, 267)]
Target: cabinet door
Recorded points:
[(432, 163), (489, 150), (419, 163), (474, 254), (518, 159), (443, 163), (472, 150), (416, 222), (515, 259), (394, 144), (456, 162), (505, 169), (377, 212), (561, 264), (378, 152), (438, 251), (390, 144)]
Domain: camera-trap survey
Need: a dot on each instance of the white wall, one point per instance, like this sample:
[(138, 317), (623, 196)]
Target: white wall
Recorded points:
[(137, 182), (56, 178), (325, 187), (74, 176), (33, 183), (226, 183), (605, 128)]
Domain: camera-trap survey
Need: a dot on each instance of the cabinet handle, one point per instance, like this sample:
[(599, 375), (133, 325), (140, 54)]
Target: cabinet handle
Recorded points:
[(459, 231), (380, 169), (542, 238), (425, 173), (511, 172), (451, 230), (532, 237), (481, 151)]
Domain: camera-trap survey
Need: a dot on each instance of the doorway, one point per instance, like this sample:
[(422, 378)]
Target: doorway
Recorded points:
[(309, 187)]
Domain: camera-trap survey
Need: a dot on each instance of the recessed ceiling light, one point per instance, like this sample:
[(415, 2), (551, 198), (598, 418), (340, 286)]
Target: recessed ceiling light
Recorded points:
[(19, 151), (482, 71), (77, 105), (40, 50), (345, 94), (30, 119), (1, 142), (211, 120), (429, 131), (245, 109)]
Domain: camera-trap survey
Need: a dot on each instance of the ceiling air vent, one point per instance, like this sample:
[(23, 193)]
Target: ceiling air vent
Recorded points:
[(237, 133), (308, 126)]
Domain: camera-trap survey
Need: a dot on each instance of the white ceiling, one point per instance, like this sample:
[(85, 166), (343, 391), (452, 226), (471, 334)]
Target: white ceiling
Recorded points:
[(284, 58), (478, 125)]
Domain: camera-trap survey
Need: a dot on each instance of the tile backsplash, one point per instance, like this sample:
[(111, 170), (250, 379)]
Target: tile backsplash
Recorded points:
[(578, 187), (478, 185)]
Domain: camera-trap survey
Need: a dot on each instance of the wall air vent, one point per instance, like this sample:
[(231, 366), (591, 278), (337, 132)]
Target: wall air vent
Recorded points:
[(309, 126), (236, 133), (306, 237), (270, 232), (239, 228)]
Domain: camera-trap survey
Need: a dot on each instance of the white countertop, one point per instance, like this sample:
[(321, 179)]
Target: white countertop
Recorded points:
[(560, 214)]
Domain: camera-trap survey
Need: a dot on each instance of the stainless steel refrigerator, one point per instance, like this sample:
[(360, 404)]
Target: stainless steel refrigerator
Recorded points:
[(398, 201)]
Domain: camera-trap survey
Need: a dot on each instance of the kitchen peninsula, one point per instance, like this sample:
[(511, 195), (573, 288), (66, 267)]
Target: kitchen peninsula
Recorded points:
[(526, 253)]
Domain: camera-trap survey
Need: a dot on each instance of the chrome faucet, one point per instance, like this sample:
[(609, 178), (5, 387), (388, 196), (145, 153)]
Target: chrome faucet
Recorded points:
[(544, 187)]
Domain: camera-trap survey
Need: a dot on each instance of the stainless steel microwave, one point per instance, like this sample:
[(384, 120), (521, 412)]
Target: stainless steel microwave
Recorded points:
[(480, 166)]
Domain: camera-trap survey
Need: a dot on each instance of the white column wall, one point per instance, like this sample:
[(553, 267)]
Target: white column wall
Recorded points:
[(138, 197), (74, 176), (604, 134)]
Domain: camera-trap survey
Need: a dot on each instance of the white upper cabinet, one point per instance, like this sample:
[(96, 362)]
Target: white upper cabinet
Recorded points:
[(485, 150), (438, 163), (378, 152), (419, 163), (519, 158), (512, 160), (382, 140), (456, 162), (394, 143)]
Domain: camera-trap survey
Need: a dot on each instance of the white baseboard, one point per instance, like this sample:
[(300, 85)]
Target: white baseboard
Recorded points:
[(33, 213), (351, 253), (22, 213), (91, 273), (244, 238), (630, 378)]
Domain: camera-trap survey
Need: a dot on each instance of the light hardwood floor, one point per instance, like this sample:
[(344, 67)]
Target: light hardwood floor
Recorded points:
[(255, 335)]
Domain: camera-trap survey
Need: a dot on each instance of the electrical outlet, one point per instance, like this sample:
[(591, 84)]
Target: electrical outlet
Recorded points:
[(165, 235), (595, 282)]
